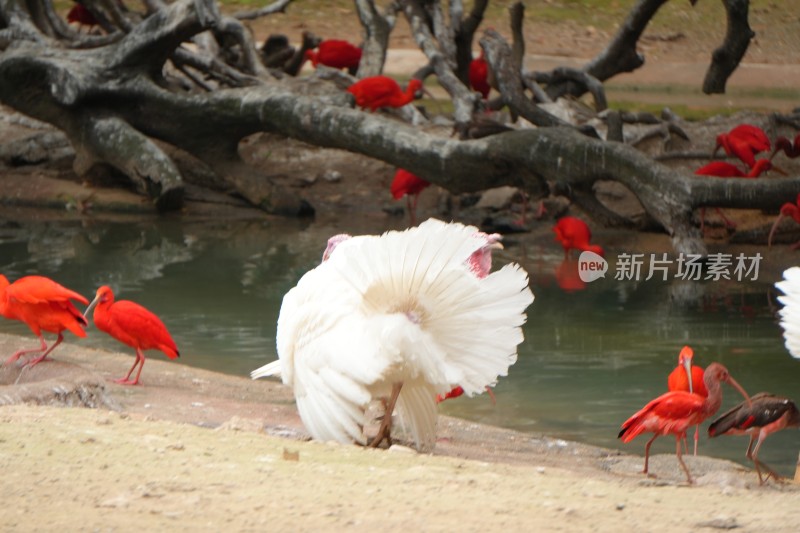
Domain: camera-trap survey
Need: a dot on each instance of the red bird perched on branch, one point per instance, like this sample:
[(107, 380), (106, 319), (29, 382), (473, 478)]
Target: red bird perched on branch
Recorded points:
[(573, 233), (131, 324), (679, 379), (409, 185), (791, 210), (375, 92), (767, 414), (479, 76), (744, 141), (674, 412), (43, 305), (791, 149), (336, 54), (81, 15)]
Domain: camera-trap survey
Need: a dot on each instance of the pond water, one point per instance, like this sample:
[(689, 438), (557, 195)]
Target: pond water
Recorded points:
[(591, 357)]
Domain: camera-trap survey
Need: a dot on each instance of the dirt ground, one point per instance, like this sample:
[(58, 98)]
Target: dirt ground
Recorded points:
[(194, 450)]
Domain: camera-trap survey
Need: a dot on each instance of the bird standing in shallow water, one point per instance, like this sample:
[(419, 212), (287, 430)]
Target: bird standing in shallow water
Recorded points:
[(400, 318), (131, 324), (679, 379), (43, 305), (574, 234), (767, 414), (674, 412)]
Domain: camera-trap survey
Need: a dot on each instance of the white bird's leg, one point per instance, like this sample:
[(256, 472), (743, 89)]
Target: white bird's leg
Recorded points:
[(385, 429)]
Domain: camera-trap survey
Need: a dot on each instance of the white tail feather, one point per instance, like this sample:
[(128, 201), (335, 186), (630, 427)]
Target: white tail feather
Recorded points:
[(269, 370), (790, 313)]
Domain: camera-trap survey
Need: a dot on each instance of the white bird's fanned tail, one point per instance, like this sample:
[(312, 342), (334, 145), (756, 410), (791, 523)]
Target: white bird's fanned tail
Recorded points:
[(403, 307), (790, 313)]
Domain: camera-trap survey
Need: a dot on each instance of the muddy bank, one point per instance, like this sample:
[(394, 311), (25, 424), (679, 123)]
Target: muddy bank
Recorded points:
[(196, 450)]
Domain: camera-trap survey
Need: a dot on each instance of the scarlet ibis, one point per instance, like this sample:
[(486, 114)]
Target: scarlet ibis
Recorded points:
[(402, 317), (674, 412), (131, 324), (375, 92), (788, 209), (791, 149), (81, 15), (336, 54), (43, 305), (409, 185), (767, 414), (790, 313), (721, 169), (679, 379), (744, 141), (573, 233), (479, 76)]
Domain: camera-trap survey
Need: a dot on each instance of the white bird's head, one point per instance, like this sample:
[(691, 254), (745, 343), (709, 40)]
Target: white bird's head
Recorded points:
[(333, 242), (480, 262)]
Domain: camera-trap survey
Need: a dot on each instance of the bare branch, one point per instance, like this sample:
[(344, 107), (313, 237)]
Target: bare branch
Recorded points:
[(727, 57)]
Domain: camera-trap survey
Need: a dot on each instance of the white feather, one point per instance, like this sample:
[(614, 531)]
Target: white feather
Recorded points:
[(403, 307), (790, 313), (269, 370)]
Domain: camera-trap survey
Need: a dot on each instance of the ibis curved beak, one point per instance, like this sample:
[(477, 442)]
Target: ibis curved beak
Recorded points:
[(91, 306), (732, 382), (687, 366)]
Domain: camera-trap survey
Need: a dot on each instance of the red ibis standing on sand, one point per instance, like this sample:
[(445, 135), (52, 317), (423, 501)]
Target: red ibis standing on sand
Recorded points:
[(409, 185), (744, 142), (399, 317), (375, 92), (573, 233), (674, 412), (679, 379), (791, 210), (336, 54), (131, 324), (479, 76), (765, 415), (43, 305)]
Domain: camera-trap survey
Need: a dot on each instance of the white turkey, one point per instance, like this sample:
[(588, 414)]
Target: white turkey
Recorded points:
[(398, 318)]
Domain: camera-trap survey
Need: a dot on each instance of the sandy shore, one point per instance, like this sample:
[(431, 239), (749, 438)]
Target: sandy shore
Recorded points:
[(195, 450)]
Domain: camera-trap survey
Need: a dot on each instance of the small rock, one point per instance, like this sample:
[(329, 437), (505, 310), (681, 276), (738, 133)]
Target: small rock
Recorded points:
[(332, 176)]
